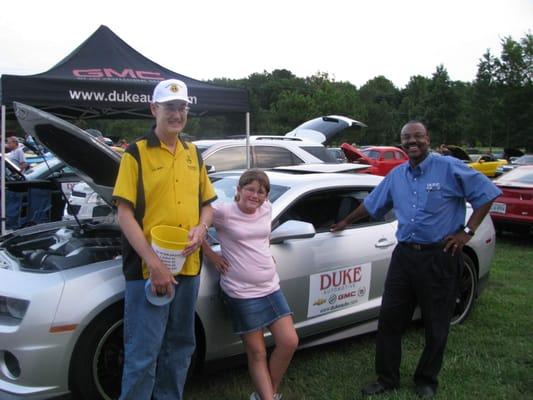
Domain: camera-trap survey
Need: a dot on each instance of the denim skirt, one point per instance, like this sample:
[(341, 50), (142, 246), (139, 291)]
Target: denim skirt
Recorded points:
[(250, 315)]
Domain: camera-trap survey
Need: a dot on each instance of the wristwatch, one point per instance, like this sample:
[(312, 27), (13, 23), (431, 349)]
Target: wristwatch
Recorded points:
[(468, 231)]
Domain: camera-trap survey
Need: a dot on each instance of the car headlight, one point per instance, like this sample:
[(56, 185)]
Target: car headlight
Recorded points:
[(14, 308)]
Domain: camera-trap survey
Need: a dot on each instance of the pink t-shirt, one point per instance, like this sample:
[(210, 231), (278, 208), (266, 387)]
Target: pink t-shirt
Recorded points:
[(245, 242)]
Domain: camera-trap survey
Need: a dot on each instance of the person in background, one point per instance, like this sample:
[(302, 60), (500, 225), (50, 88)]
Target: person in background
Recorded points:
[(250, 283), (16, 152), (161, 181), (428, 195)]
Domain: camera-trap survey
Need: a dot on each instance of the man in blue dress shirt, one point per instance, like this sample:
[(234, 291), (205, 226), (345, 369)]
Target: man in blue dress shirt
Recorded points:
[(428, 195)]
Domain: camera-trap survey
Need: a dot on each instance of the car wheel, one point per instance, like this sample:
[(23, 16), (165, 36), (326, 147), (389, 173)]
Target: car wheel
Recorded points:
[(98, 358), (467, 291)]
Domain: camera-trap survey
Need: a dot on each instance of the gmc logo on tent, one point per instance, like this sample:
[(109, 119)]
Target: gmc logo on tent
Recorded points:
[(112, 73)]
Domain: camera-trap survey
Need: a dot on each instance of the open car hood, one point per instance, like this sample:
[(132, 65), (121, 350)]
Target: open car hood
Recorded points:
[(458, 152), (95, 162), (353, 154), (324, 129)]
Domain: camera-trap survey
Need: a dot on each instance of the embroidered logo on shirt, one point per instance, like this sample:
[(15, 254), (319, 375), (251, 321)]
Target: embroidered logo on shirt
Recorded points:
[(431, 187)]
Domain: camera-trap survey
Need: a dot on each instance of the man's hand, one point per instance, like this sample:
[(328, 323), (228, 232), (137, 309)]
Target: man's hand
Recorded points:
[(339, 226), (456, 242), (162, 280)]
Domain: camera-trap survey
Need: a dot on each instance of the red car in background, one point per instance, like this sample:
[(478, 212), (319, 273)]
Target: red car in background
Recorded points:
[(513, 210), (381, 159)]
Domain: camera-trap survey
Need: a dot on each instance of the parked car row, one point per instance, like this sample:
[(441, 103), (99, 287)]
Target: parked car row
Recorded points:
[(526, 159), (54, 341)]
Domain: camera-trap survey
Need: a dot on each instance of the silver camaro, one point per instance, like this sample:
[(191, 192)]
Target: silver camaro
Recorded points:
[(61, 284)]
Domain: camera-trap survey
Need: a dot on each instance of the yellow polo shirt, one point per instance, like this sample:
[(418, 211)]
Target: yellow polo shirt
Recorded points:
[(174, 185)]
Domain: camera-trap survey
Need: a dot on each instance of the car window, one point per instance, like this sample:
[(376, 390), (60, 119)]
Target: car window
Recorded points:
[(388, 155), (371, 154), (324, 208), (270, 156), (398, 155), (227, 158), (320, 152)]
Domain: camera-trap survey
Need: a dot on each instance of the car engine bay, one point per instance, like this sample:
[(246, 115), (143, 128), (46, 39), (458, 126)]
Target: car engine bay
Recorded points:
[(67, 247)]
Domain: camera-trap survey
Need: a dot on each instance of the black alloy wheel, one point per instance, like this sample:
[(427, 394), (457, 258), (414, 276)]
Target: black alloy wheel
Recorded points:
[(467, 292)]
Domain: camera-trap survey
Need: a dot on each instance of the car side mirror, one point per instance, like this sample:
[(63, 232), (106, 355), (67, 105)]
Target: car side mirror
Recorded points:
[(292, 229)]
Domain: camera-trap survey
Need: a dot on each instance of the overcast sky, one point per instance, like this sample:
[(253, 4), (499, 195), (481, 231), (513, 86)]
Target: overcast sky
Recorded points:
[(204, 39)]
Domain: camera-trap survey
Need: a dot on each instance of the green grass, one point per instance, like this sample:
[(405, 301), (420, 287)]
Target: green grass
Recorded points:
[(490, 356)]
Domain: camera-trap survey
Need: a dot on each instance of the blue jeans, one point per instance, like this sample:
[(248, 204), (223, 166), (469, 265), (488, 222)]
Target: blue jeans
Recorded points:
[(161, 336)]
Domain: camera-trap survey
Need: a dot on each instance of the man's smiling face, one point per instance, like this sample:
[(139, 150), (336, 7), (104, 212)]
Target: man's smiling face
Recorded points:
[(415, 141)]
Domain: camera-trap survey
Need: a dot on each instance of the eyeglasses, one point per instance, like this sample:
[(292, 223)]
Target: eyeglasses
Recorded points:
[(173, 107), (259, 193)]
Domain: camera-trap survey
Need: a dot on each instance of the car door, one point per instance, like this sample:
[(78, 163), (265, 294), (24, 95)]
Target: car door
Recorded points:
[(333, 280), (387, 160)]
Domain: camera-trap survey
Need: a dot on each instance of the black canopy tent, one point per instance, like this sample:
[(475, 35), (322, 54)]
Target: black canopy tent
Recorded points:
[(106, 78)]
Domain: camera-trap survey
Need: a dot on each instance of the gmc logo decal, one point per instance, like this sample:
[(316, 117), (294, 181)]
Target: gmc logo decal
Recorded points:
[(127, 73)]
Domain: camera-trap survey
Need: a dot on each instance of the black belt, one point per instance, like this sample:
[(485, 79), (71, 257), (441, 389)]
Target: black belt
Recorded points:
[(423, 246)]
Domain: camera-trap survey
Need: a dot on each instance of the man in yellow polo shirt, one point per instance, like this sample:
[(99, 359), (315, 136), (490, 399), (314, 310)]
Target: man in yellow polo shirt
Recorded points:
[(161, 181)]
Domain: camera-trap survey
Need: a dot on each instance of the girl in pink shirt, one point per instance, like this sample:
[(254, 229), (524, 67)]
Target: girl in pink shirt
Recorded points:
[(250, 283)]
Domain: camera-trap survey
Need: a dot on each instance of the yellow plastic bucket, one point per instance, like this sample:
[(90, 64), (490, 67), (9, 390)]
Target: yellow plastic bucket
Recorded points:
[(168, 242)]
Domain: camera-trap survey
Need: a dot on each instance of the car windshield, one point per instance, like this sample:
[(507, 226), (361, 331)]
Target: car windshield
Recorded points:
[(522, 175), (227, 186), (42, 168)]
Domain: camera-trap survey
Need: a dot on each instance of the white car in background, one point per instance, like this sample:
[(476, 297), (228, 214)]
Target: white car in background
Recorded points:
[(84, 203), (303, 145)]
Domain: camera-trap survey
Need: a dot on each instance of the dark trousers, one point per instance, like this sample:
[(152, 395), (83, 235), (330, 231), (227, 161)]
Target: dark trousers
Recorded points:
[(428, 278)]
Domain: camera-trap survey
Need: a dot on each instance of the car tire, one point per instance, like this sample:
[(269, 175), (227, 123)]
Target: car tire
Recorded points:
[(97, 361), (98, 358), (467, 291)]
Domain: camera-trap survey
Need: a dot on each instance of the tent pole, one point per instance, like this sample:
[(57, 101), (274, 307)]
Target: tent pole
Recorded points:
[(248, 140), (3, 167)]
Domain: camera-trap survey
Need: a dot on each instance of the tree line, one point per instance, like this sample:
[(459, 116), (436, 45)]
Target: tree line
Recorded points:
[(496, 109)]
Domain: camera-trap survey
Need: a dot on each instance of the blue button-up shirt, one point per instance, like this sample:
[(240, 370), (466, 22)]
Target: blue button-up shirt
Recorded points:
[(429, 200)]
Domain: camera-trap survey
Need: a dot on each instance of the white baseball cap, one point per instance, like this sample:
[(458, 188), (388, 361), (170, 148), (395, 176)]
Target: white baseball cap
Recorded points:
[(170, 90)]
